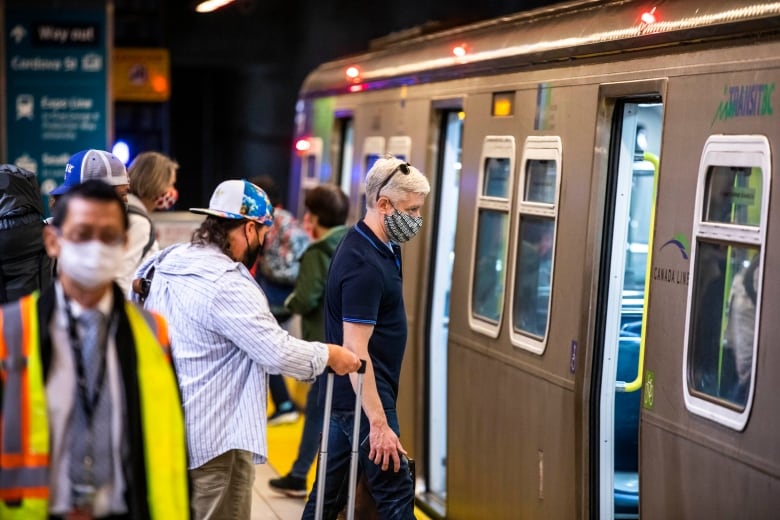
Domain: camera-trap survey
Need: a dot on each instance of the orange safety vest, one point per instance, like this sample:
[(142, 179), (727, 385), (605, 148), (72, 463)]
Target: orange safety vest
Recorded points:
[(24, 430), (24, 427)]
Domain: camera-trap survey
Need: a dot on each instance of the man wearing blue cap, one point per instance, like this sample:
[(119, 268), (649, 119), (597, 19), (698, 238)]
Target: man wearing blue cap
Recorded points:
[(224, 342), (95, 164)]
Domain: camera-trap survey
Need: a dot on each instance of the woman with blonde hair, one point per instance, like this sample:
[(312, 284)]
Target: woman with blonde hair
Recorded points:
[(152, 179)]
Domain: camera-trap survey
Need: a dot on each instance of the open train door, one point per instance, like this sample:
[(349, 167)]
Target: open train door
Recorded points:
[(631, 130), (449, 119)]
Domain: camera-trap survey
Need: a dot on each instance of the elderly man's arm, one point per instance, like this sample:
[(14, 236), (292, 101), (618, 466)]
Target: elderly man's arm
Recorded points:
[(385, 445)]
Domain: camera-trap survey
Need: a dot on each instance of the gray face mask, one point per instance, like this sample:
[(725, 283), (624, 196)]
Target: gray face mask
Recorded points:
[(401, 227)]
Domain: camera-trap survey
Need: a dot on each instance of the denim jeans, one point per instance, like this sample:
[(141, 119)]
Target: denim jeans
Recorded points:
[(392, 492)]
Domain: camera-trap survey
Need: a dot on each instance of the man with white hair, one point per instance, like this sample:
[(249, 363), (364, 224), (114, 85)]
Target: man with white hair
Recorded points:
[(364, 311)]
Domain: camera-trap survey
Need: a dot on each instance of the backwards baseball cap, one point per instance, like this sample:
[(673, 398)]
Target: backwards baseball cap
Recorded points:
[(239, 199), (92, 164)]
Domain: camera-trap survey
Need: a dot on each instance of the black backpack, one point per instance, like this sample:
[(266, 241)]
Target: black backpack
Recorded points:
[(24, 264)]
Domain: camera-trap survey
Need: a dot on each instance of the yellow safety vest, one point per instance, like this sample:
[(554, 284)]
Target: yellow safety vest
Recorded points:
[(24, 428)]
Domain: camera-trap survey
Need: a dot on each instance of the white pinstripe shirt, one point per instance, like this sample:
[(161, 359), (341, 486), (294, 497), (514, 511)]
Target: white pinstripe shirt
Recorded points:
[(224, 342)]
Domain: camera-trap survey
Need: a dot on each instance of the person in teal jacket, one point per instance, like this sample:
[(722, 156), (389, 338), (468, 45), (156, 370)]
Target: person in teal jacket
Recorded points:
[(327, 208)]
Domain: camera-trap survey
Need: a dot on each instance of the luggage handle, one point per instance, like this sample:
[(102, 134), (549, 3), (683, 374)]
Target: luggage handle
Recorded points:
[(323, 462)]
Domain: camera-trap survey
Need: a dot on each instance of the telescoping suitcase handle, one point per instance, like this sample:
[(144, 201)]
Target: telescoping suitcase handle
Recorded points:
[(353, 461)]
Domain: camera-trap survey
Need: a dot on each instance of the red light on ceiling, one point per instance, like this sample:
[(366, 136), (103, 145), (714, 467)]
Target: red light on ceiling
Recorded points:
[(459, 50), (302, 145), (648, 17), (352, 72), (356, 88)]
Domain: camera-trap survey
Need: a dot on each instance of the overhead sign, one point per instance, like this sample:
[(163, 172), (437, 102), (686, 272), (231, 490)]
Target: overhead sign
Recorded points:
[(56, 75), (141, 74)]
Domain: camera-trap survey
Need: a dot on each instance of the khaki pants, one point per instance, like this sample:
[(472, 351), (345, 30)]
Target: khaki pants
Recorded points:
[(222, 487)]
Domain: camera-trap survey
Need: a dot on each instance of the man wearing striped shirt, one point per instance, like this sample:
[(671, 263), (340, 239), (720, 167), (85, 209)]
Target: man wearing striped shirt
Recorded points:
[(224, 342)]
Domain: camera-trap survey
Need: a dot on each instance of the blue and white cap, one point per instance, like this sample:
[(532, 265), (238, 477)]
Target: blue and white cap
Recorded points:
[(239, 199), (92, 164)]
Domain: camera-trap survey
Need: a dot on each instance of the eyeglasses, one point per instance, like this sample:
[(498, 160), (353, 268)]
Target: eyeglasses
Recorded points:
[(84, 234), (403, 168)]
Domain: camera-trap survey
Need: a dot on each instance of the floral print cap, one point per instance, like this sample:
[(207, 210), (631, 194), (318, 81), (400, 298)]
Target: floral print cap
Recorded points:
[(239, 199)]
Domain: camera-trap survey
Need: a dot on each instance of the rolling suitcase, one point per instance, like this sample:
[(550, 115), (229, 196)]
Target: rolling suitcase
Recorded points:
[(323, 457)]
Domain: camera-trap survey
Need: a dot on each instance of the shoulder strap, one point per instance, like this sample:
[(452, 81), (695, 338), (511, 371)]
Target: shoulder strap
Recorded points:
[(132, 210)]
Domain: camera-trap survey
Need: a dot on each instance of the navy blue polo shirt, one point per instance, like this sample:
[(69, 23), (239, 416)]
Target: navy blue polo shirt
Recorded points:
[(364, 286)]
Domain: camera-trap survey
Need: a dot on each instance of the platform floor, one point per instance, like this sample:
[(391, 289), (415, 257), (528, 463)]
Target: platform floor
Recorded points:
[(269, 505)]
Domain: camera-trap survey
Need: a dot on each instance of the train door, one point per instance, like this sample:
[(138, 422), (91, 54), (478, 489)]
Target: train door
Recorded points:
[(443, 253), (373, 149), (632, 166), (345, 133)]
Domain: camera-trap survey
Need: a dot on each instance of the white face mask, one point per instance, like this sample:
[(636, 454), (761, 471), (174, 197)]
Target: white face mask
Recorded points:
[(90, 264)]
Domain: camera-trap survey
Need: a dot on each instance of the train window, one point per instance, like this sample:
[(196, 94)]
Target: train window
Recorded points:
[(536, 222), (488, 275), (489, 268), (311, 161), (533, 275), (724, 313), (724, 298), (373, 149), (310, 167), (733, 195), (370, 160), (400, 146), (540, 181), (496, 177)]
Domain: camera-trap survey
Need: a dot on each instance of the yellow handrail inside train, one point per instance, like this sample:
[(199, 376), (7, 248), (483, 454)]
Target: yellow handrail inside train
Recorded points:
[(636, 384)]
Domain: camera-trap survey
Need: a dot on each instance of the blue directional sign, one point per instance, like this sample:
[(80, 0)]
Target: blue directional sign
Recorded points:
[(56, 75)]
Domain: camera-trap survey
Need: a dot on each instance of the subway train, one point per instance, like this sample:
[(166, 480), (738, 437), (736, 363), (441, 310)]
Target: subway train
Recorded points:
[(585, 299)]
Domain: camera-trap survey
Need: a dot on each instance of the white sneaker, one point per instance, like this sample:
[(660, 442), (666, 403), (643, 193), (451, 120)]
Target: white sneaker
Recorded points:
[(288, 417)]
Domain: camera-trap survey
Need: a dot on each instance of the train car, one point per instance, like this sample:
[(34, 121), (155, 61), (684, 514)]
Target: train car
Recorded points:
[(586, 300)]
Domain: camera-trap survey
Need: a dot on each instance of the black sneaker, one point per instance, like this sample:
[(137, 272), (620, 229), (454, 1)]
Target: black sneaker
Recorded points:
[(289, 485)]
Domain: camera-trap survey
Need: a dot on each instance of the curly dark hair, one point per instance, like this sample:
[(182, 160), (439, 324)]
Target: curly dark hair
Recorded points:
[(214, 230)]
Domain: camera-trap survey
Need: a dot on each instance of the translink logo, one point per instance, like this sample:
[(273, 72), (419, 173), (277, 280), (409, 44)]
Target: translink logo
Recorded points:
[(745, 101)]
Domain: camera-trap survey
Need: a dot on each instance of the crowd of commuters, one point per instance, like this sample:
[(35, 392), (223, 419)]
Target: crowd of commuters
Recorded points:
[(113, 409)]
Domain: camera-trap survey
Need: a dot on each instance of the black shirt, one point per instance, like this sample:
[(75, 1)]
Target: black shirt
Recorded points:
[(365, 286)]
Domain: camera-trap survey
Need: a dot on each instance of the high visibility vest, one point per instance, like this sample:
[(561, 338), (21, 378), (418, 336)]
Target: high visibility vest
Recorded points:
[(24, 428)]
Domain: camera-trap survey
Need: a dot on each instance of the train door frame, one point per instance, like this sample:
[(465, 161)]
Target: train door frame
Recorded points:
[(447, 126), (613, 98), (343, 151)]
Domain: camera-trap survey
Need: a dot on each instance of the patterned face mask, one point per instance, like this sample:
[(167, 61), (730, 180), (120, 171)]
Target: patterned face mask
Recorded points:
[(166, 200), (401, 227)]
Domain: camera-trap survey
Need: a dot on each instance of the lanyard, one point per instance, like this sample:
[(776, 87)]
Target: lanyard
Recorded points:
[(87, 404)]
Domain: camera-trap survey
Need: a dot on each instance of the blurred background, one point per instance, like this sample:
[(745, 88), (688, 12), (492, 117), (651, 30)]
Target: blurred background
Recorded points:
[(235, 72)]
